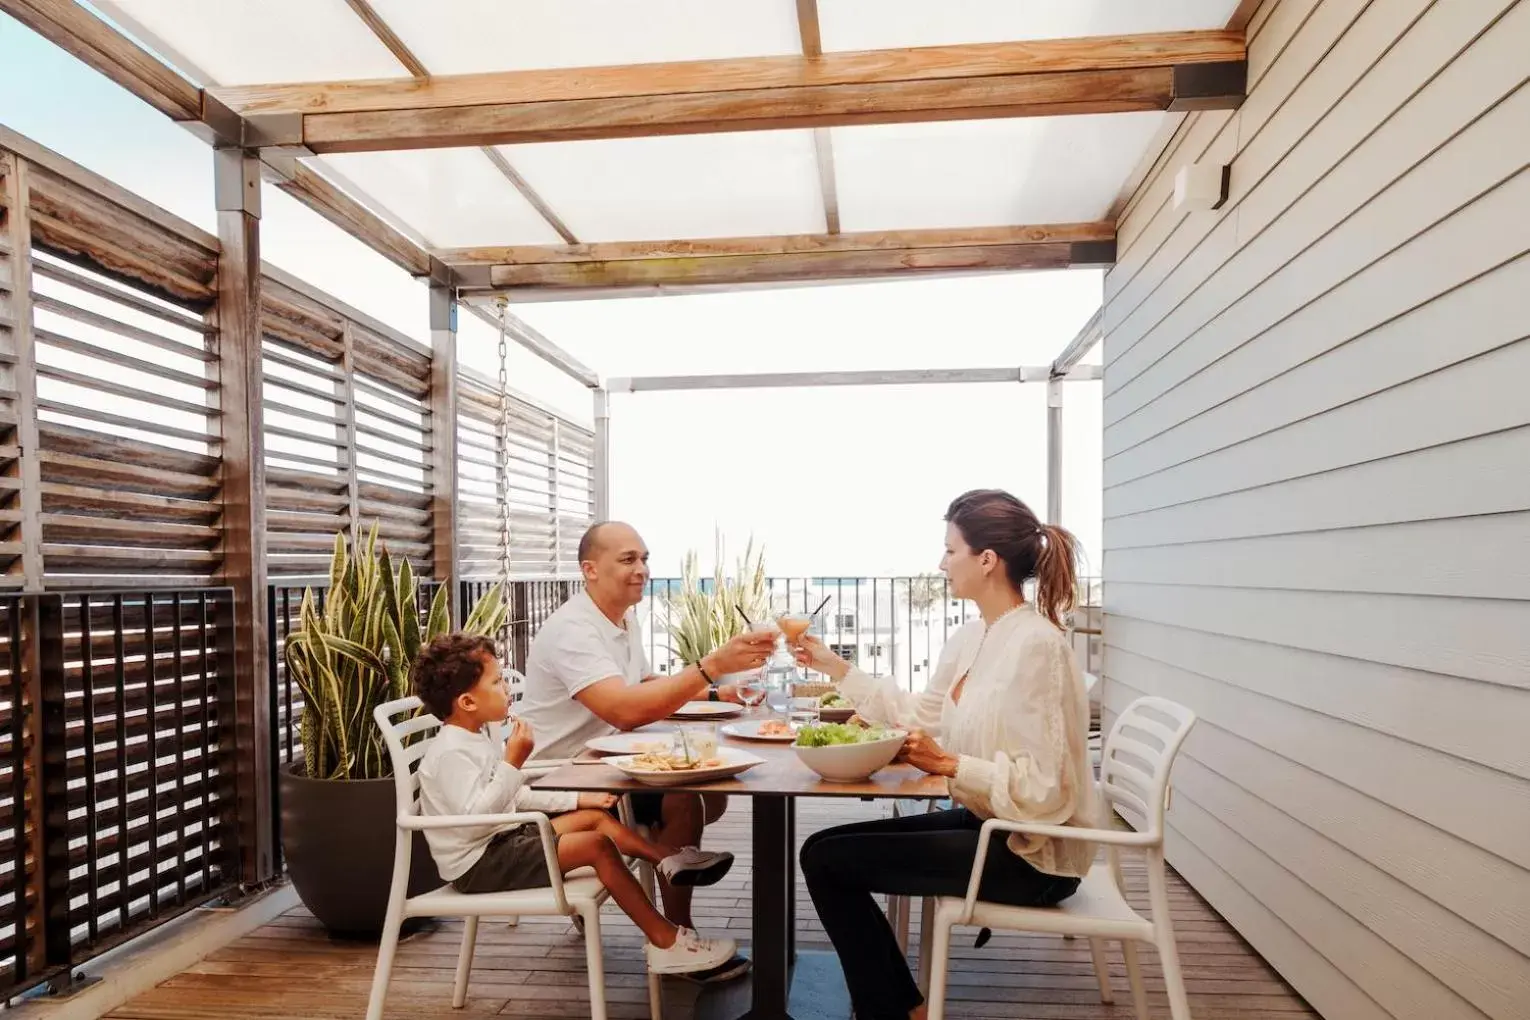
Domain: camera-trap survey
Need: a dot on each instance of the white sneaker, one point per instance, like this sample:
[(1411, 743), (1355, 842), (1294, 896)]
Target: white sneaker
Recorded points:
[(689, 954), (693, 866)]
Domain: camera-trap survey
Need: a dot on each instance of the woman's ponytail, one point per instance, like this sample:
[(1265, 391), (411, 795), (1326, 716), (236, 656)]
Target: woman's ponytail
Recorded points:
[(1056, 573)]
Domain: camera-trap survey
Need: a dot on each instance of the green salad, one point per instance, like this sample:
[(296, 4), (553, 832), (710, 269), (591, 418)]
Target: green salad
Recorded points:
[(833, 700), (833, 734)]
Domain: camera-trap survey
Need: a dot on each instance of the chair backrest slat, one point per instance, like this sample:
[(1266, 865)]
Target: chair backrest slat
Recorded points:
[(400, 720), (1139, 754), (515, 680)]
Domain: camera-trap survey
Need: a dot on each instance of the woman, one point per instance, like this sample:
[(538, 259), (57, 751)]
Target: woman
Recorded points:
[(1010, 709)]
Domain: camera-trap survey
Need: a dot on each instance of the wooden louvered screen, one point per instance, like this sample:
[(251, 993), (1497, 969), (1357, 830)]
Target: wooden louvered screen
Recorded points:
[(545, 473), (347, 432), (393, 428), (126, 399)]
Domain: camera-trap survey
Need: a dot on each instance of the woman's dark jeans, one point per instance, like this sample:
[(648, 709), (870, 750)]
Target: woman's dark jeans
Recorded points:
[(916, 855)]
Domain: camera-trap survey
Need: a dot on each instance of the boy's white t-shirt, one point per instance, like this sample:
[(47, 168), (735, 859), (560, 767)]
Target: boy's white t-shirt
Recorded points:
[(576, 647), (464, 773)]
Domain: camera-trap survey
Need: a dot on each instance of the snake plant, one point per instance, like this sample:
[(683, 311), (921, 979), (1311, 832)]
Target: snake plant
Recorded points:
[(355, 654), (701, 619)]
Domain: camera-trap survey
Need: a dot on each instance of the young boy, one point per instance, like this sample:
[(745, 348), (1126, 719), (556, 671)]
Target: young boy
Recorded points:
[(463, 772)]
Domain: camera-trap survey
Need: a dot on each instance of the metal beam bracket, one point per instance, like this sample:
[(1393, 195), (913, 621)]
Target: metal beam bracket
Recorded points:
[(236, 181)]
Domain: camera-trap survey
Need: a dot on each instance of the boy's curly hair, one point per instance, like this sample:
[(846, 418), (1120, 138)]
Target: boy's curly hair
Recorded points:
[(448, 667)]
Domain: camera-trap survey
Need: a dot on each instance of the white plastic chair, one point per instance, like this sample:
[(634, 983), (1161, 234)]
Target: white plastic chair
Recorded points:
[(1134, 775), (579, 895)]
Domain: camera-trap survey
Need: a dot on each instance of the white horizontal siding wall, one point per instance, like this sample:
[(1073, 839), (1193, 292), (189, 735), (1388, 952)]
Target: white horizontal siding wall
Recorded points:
[(1317, 501)]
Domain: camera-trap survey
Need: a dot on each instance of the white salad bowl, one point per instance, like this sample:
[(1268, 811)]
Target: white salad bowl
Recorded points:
[(851, 763)]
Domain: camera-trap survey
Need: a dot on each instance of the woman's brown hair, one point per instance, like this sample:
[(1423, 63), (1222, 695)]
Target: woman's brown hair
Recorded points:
[(993, 519)]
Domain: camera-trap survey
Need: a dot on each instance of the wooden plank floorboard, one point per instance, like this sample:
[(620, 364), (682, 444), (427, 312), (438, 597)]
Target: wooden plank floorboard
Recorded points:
[(290, 967)]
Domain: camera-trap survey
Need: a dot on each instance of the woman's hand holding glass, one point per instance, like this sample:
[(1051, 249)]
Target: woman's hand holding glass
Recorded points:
[(813, 654)]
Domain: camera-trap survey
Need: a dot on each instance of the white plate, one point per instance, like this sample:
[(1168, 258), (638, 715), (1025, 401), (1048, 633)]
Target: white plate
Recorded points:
[(750, 730), (630, 743), (706, 710), (734, 761)]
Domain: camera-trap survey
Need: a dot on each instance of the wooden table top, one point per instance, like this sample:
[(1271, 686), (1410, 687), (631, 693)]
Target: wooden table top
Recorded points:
[(783, 774)]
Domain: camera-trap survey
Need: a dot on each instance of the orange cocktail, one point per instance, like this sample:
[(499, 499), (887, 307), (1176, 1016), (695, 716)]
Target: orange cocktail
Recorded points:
[(793, 627)]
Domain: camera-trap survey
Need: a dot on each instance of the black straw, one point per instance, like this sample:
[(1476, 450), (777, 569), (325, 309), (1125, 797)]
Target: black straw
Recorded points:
[(745, 615), (820, 607)]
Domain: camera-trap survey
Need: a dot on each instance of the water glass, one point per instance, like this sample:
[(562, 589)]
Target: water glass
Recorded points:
[(751, 687), (699, 739), (804, 711)]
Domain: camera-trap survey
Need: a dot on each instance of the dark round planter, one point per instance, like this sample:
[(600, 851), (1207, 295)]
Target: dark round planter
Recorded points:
[(338, 840)]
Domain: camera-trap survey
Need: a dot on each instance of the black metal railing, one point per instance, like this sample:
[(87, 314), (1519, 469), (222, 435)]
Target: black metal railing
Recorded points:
[(531, 603), (895, 626), (118, 804)]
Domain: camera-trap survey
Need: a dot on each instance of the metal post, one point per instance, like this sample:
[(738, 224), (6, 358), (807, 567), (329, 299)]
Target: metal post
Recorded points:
[(443, 443), (1054, 451), (240, 397), (602, 467)]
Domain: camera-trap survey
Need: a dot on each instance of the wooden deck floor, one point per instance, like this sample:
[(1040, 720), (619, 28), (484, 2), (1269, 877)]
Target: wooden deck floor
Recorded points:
[(290, 968)]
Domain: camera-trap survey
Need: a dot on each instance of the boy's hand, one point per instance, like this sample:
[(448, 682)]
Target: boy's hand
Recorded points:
[(600, 801), (519, 744)]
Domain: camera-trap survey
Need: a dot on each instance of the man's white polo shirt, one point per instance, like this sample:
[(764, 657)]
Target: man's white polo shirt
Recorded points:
[(576, 647)]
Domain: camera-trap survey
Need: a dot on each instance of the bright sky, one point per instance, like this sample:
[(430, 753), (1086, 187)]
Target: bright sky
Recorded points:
[(841, 481)]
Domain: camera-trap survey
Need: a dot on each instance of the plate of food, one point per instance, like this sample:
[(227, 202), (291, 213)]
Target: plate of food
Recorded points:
[(835, 707), (706, 710), (629, 743), (668, 768), (761, 729)]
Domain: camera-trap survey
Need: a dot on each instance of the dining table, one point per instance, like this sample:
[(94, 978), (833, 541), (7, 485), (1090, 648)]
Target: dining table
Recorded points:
[(784, 983)]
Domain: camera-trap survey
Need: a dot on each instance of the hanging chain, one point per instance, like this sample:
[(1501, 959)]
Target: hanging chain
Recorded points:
[(503, 475)]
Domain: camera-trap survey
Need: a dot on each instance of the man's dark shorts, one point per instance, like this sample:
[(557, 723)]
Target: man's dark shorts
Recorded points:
[(647, 809)]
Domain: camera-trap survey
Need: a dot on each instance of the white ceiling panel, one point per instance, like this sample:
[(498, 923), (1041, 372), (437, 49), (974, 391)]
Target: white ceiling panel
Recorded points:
[(452, 197), (986, 173), (466, 36), (716, 185), (884, 24), (250, 42)]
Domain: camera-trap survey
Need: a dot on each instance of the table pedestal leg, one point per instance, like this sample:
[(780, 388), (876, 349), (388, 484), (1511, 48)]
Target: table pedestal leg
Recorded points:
[(784, 985)]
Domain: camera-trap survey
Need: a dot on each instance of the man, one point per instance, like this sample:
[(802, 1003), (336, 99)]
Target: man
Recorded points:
[(587, 676)]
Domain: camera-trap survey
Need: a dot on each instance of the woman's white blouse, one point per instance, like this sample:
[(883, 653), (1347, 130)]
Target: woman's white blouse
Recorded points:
[(1020, 729)]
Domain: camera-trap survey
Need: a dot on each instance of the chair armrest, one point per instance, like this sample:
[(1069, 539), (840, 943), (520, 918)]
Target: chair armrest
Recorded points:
[(1114, 837), (418, 823), (1118, 837)]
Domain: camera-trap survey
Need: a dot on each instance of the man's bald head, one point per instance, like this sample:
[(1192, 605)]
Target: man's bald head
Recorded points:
[(589, 542), (614, 562), (604, 533)]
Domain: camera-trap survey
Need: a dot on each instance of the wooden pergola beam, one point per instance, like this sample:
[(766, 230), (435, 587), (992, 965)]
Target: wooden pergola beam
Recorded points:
[(1012, 79), (823, 145), (547, 279), (316, 192), (783, 244)]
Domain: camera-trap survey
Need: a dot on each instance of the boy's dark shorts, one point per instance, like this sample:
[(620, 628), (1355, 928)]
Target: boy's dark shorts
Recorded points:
[(513, 860)]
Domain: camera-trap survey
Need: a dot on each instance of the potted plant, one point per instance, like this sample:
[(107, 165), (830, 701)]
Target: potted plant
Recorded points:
[(338, 803), (703, 617)]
